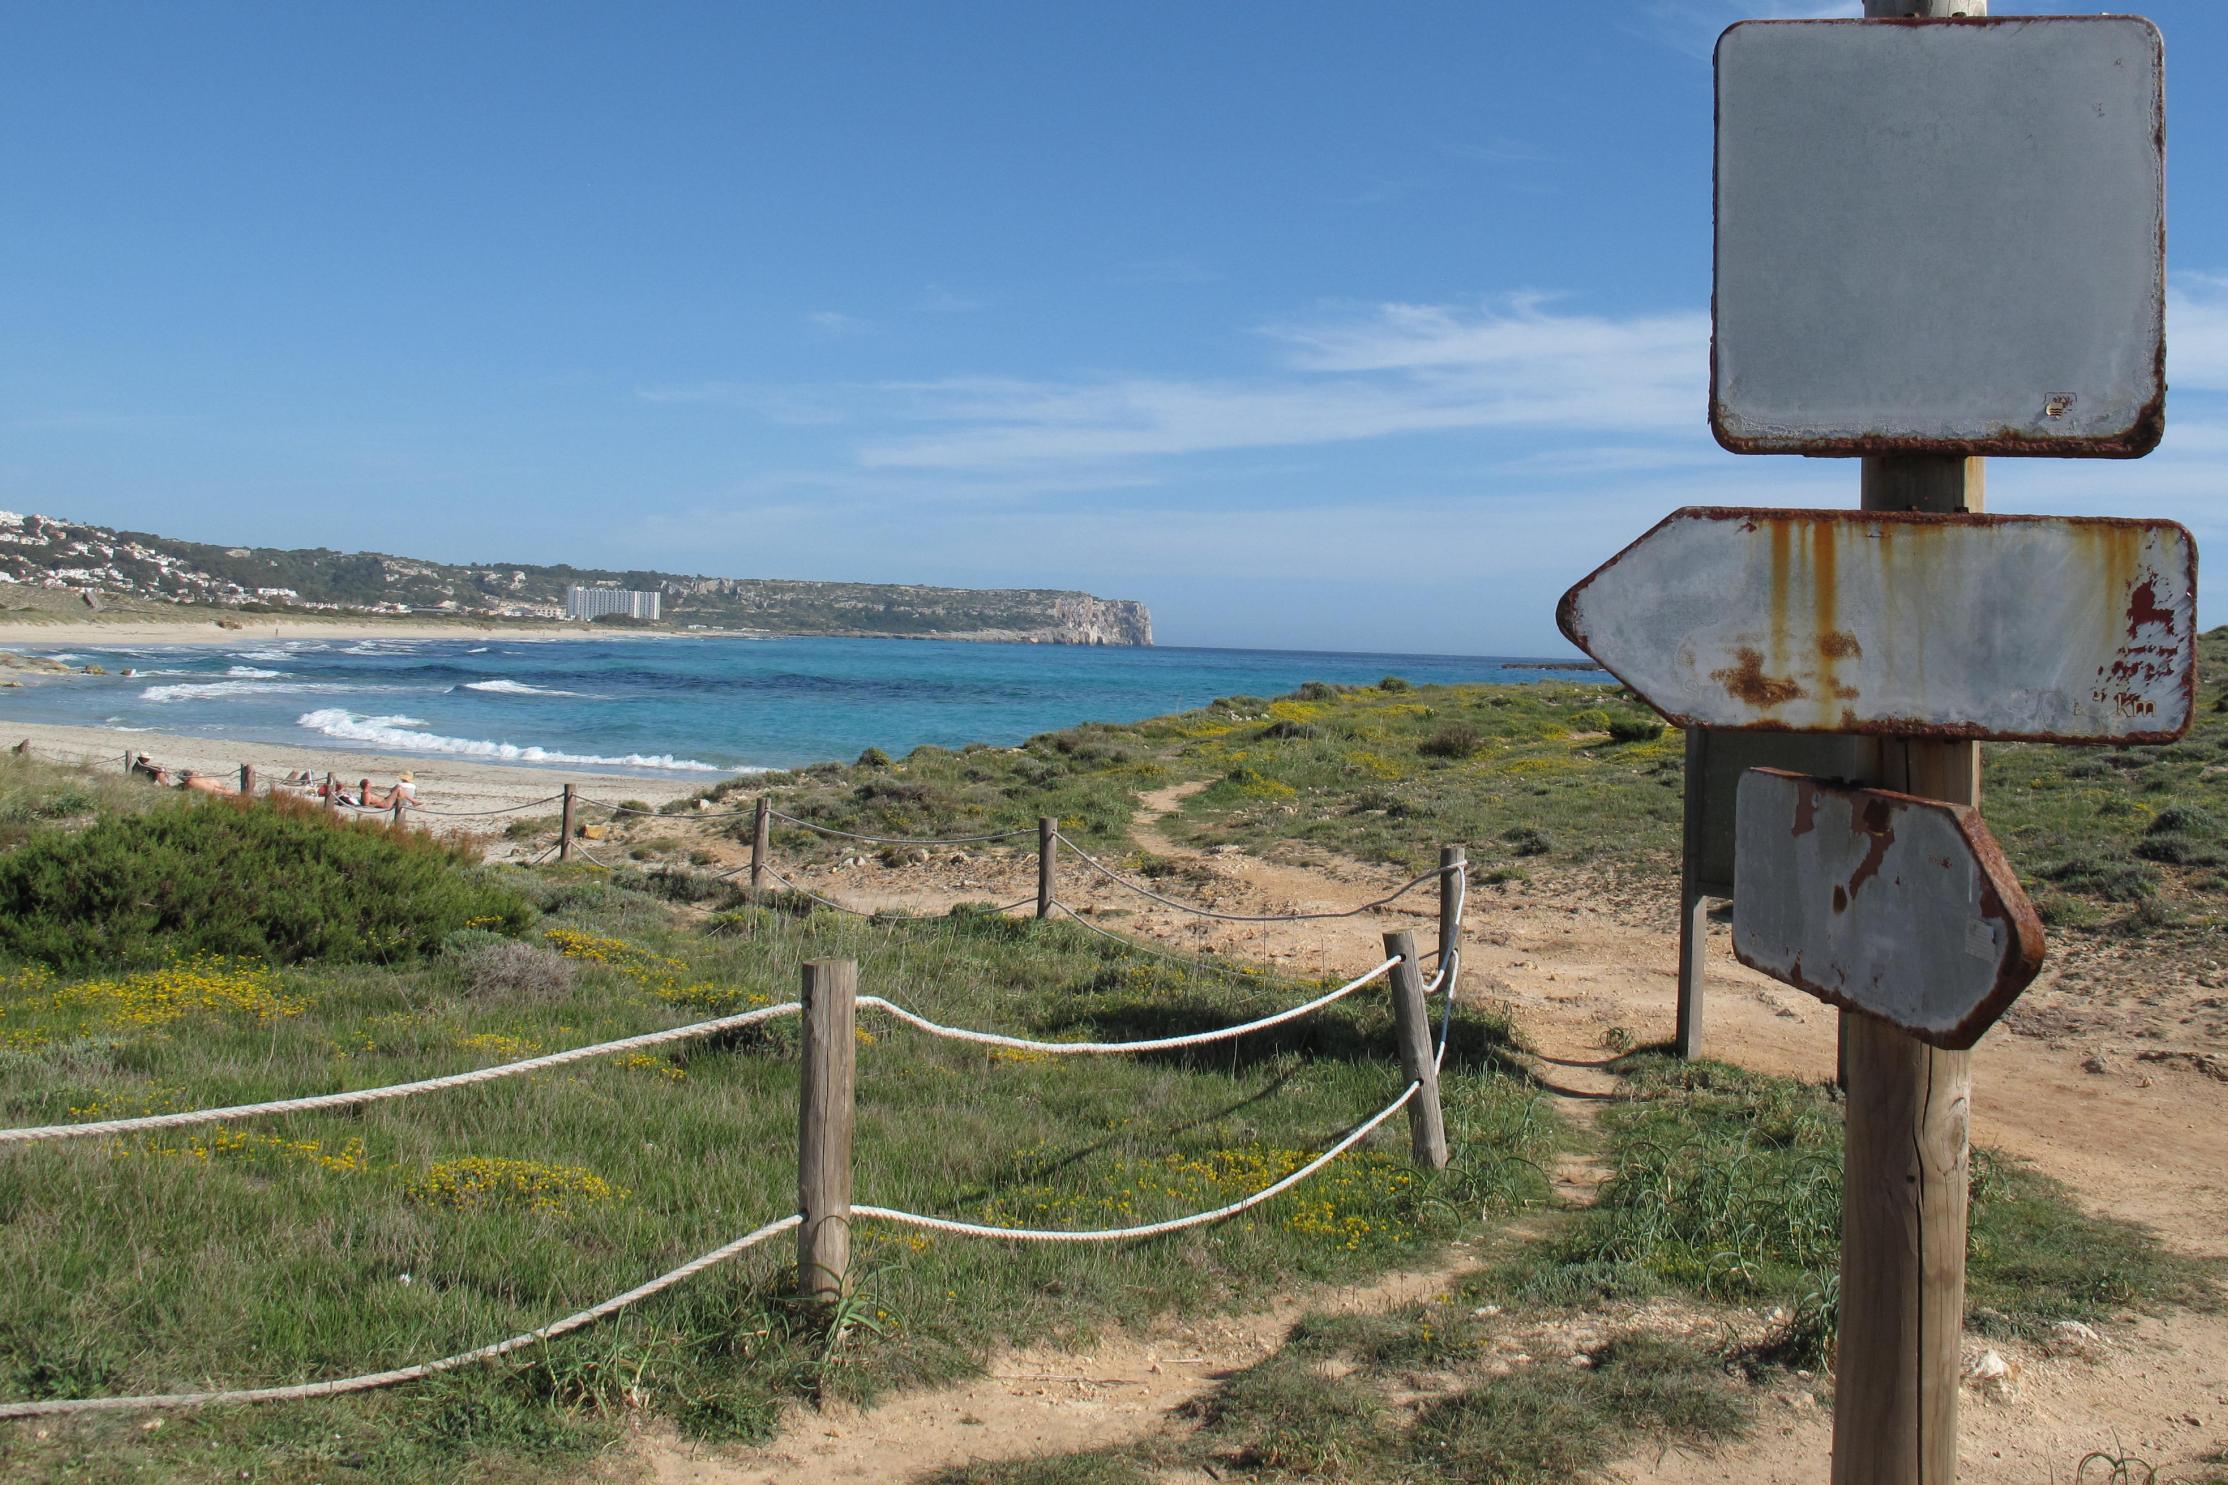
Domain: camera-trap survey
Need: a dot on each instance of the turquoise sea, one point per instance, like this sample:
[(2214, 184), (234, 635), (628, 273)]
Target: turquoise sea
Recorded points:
[(693, 705)]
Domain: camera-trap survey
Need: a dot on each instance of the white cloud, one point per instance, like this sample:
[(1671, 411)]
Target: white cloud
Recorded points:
[(1396, 369), (2197, 332), (836, 322)]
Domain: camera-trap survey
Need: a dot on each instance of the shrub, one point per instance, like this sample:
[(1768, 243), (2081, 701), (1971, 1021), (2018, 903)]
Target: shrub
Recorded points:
[(1589, 719), (2184, 819), (2105, 876), (1454, 740), (1635, 729), (874, 758), (1282, 729), (1528, 840), (514, 967), (1317, 691), (272, 881)]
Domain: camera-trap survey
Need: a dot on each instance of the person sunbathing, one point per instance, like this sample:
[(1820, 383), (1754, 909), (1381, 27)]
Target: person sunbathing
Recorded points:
[(205, 783)]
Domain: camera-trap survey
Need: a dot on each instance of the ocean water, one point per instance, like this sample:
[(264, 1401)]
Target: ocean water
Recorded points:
[(692, 706)]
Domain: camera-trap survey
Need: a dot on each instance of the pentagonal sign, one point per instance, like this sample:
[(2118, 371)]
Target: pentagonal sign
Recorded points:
[(1940, 236), (2075, 629), (1900, 907)]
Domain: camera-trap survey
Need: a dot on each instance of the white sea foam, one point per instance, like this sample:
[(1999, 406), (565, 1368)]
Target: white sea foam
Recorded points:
[(204, 690), (477, 650), (400, 733), (379, 647), (515, 688), (245, 672), (282, 652)]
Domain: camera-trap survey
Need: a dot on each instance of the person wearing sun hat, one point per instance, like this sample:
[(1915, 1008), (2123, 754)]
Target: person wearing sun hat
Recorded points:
[(405, 791)]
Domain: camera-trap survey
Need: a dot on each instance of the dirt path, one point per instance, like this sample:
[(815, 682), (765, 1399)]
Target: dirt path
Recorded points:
[(1584, 969)]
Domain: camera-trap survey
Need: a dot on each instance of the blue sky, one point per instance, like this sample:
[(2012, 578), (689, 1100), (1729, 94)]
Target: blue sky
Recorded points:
[(1357, 327)]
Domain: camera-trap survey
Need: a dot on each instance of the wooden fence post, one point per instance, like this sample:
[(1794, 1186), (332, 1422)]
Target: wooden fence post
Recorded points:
[(332, 792), (1048, 862), (247, 781), (1427, 1128), (564, 826), (824, 1111), (127, 760), (1452, 860), (1694, 908), (761, 837), (395, 810)]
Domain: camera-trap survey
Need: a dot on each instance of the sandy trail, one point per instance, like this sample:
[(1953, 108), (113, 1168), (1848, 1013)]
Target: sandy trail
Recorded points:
[(1582, 967)]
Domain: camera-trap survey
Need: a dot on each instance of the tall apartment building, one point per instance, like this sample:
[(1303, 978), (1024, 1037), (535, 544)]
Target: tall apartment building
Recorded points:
[(587, 603)]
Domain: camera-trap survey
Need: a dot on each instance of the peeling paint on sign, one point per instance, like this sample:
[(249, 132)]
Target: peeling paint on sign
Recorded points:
[(1900, 907), (2039, 628)]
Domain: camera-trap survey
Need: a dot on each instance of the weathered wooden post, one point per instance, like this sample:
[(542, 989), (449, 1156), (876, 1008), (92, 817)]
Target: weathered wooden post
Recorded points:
[(128, 760), (564, 826), (394, 812), (1427, 1128), (332, 792), (1452, 863), (761, 836), (1048, 863), (1694, 908), (247, 781), (824, 1113)]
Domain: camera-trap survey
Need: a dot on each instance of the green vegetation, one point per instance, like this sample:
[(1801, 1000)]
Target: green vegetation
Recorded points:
[(280, 1250), (278, 881), (1726, 1185)]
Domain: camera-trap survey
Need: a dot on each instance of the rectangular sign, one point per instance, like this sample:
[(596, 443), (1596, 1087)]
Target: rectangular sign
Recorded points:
[(1874, 901), (2037, 628), (1942, 236), (1715, 762)]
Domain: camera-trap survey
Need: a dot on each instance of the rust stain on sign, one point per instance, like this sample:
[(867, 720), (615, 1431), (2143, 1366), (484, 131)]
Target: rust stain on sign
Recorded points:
[(2040, 628), (1900, 907)]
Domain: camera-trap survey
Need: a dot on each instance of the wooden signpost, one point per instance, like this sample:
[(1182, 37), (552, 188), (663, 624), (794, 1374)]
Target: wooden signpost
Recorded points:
[(1938, 236)]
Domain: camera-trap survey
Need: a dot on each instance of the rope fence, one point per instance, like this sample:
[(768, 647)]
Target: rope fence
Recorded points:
[(826, 1093)]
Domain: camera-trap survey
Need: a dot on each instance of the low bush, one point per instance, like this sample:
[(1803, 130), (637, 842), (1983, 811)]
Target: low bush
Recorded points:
[(513, 967), (1635, 729), (271, 881), (1454, 740)]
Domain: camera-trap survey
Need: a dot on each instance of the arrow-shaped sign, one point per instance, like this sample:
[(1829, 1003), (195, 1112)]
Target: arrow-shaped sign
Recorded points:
[(1880, 902), (2043, 628)]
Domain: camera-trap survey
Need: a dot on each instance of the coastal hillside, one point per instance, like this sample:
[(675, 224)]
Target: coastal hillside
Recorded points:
[(46, 554)]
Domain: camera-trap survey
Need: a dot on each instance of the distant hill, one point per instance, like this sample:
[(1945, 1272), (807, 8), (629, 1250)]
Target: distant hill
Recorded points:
[(48, 552)]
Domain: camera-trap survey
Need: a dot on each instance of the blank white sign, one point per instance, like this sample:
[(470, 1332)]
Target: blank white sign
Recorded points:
[(1940, 237)]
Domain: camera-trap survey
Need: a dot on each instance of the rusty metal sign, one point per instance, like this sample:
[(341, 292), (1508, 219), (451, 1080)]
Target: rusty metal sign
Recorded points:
[(1717, 760), (1985, 275), (2037, 628), (1900, 907)]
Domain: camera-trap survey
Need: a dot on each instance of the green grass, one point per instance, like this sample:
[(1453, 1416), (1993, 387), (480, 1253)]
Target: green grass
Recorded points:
[(278, 1250), (1726, 1185)]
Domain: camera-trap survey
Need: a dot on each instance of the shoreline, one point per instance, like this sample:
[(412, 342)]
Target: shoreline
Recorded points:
[(447, 785), (93, 633)]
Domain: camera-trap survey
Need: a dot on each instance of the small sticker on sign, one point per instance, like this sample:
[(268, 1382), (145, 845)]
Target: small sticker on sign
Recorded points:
[(1980, 938)]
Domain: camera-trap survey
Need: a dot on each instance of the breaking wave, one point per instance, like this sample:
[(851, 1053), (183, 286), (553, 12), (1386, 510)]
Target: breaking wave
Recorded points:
[(515, 688), (202, 690), (249, 672), (400, 733)]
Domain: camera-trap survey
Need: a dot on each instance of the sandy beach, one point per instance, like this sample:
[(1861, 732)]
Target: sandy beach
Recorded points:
[(444, 784)]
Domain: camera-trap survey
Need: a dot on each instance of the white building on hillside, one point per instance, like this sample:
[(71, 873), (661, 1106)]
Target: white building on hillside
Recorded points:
[(588, 603)]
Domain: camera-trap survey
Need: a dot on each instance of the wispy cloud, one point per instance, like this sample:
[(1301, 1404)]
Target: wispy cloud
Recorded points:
[(1394, 369), (1691, 27), (797, 407), (836, 322), (936, 299)]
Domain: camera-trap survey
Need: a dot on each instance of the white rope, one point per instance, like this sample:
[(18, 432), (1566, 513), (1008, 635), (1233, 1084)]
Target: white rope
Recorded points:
[(1354, 1137), (396, 1090), (903, 840), (1353, 912), (370, 1380), (508, 809), (1154, 1044)]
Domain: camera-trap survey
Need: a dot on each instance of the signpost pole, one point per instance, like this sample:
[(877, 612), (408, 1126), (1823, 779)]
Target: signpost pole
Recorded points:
[(1903, 1205)]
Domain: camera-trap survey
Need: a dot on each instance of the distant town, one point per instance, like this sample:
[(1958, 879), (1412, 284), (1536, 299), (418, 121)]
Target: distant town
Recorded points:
[(103, 565)]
